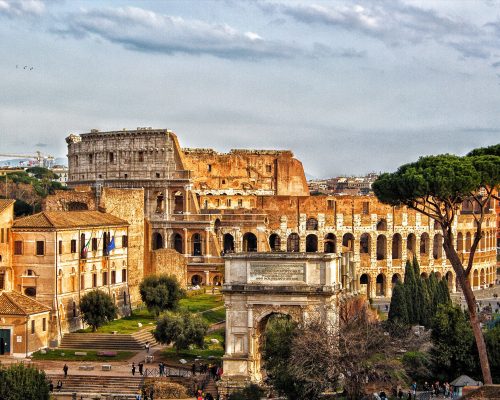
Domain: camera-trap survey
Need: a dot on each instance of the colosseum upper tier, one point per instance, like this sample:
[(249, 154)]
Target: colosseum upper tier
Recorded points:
[(204, 204)]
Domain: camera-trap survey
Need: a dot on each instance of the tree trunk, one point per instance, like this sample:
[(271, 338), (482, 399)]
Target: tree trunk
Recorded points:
[(471, 305)]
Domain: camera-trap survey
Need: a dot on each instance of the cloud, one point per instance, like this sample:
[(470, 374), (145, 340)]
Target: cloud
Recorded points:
[(19, 8), (392, 22), (143, 30)]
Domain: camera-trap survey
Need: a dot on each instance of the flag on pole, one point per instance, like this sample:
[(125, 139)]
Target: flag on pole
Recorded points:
[(111, 245), (85, 249)]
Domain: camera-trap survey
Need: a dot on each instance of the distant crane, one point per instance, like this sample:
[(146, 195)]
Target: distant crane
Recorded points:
[(41, 160)]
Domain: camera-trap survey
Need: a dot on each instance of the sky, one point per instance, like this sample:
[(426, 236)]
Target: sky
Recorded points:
[(349, 86)]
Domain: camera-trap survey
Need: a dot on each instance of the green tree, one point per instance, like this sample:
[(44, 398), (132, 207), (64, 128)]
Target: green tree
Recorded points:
[(453, 343), (410, 284), (161, 293), (398, 311), (492, 337), (276, 350), (97, 308), (181, 329), (436, 186), (20, 382)]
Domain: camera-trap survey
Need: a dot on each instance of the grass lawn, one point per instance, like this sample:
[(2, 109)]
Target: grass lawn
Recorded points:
[(195, 304), (69, 355), (201, 302), (213, 350), (127, 324)]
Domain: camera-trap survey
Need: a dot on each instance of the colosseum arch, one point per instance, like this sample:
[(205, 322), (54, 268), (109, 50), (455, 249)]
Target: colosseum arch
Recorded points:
[(411, 245), (424, 244), (382, 225), (196, 244), (157, 241), (330, 243), (437, 248), (348, 241), (311, 243), (312, 224), (249, 242), (397, 246), (468, 241), (275, 242), (365, 243), (293, 243), (228, 242), (395, 279), (364, 284), (460, 242), (177, 242), (381, 247), (381, 289)]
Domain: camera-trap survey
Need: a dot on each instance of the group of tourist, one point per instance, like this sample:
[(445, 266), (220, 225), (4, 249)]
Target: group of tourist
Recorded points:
[(435, 389), (147, 393), (214, 370), (140, 367)]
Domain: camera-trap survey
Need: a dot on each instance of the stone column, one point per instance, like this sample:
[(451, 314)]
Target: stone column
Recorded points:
[(207, 277), (207, 242), (186, 246)]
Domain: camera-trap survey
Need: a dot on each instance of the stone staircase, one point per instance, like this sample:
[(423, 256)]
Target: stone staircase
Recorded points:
[(211, 388), (93, 386), (106, 341)]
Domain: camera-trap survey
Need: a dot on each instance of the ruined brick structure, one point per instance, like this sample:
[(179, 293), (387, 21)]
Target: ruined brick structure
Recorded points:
[(204, 204)]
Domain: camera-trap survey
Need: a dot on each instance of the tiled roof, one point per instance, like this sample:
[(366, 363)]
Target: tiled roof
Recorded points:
[(4, 203), (69, 219), (464, 380), (13, 303)]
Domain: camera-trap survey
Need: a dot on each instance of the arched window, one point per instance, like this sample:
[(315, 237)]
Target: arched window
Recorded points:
[(293, 243), (397, 243), (437, 248), (468, 241), (348, 241), (411, 244), (228, 243), (381, 247), (157, 241), (177, 242), (311, 243), (275, 242), (382, 225), (312, 224), (249, 242), (424, 244), (196, 241), (330, 243), (124, 275), (365, 244), (380, 281), (460, 242)]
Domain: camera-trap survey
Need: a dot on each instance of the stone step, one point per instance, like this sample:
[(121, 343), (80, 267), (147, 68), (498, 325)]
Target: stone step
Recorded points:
[(106, 341), (90, 384)]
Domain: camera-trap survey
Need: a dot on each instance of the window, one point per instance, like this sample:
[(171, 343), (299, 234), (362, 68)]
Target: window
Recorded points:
[(18, 247), (209, 167), (330, 204), (124, 241), (76, 161), (229, 202), (44, 324), (32, 326), (125, 176), (223, 181), (366, 207), (157, 174), (124, 275), (113, 277), (111, 157), (141, 156), (60, 250), (105, 278), (91, 157), (240, 203), (100, 176), (269, 168), (82, 282), (2, 239), (217, 202), (94, 244), (30, 272), (30, 291), (7, 234), (94, 280), (40, 247), (73, 245)]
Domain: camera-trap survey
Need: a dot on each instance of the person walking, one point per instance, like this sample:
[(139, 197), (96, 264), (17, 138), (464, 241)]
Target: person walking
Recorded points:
[(414, 389), (65, 369), (141, 366), (147, 347), (133, 369)]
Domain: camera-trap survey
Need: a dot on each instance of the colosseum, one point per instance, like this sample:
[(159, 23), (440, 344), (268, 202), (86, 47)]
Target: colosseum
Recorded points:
[(205, 204)]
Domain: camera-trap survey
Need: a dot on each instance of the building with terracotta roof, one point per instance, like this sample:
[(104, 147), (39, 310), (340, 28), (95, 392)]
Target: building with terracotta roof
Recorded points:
[(49, 261)]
